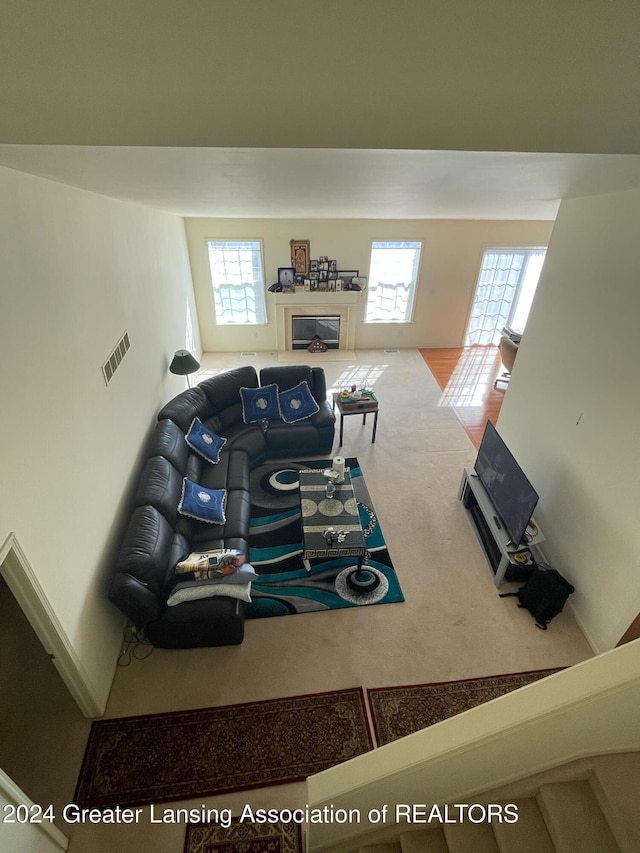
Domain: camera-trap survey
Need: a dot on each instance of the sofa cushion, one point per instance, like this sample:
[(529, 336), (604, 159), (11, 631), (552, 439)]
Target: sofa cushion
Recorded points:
[(146, 548), (222, 390), (168, 441), (245, 437), (190, 404), (297, 403), (203, 536), (201, 503), (160, 486), (196, 568), (204, 442), (204, 590), (287, 376), (232, 472), (259, 403), (288, 441)]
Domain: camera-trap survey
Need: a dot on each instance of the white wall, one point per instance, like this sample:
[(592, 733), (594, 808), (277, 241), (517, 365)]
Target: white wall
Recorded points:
[(572, 409), (452, 251), (20, 837), (78, 269)]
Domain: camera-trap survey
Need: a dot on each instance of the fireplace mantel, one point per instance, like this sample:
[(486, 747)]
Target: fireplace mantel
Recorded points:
[(342, 304)]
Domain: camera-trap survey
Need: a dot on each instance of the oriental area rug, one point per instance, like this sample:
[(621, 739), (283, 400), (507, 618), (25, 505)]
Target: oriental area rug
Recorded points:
[(244, 838), (275, 548), (401, 711), (184, 754)]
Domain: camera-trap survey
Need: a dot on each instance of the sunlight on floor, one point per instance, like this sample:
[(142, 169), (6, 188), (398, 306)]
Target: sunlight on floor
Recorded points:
[(363, 376), (472, 378)]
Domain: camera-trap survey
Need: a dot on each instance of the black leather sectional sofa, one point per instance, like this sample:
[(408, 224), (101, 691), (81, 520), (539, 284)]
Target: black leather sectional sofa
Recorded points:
[(158, 536)]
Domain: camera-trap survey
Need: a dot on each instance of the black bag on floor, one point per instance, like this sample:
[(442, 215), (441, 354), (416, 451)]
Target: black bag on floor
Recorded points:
[(544, 595)]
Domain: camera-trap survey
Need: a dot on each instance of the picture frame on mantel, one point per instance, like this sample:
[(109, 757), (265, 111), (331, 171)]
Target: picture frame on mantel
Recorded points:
[(347, 276), (300, 255), (286, 277)]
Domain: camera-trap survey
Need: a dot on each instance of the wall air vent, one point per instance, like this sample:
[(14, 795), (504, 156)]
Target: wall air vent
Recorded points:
[(113, 362), (392, 350)]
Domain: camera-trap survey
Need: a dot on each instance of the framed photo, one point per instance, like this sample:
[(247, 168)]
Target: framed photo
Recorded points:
[(323, 259), (286, 276), (332, 275), (300, 251), (346, 276), (323, 275), (313, 284), (331, 283), (322, 284), (314, 276), (333, 266), (313, 266), (298, 279)]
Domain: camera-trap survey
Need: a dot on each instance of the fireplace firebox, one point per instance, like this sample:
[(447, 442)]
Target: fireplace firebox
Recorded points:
[(305, 327)]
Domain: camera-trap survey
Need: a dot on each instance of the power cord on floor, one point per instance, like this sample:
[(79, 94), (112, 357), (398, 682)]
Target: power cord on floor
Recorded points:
[(135, 645)]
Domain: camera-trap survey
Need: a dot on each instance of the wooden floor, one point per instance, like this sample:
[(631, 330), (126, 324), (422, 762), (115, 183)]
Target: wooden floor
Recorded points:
[(466, 376)]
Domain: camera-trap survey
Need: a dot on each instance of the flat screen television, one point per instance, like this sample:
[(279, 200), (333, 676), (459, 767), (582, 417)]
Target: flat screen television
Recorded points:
[(512, 495)]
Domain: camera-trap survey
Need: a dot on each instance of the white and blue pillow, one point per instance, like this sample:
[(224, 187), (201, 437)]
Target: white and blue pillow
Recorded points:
[(206, 443), (297, 403), (259, 403), (202, 504)]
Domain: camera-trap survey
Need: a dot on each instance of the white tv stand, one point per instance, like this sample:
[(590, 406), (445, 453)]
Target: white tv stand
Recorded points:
[(497, 547)]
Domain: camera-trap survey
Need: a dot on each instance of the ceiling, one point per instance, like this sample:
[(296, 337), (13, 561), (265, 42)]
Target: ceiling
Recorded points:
[(330, 183), (339, 108)]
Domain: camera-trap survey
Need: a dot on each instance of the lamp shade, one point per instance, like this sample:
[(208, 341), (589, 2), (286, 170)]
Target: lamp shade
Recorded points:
[(183, 363)]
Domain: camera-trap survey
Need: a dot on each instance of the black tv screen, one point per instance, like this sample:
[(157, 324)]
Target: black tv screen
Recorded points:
[(512, 495)]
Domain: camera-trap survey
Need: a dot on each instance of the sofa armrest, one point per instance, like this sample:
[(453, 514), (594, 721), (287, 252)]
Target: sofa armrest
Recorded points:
[(319, 384), (325, 417), (135, 599)]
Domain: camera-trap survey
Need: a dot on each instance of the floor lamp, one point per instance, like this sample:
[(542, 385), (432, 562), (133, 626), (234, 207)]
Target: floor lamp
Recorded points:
[(184, 364)]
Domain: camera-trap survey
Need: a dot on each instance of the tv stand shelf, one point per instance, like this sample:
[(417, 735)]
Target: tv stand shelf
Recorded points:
[(497, 547)]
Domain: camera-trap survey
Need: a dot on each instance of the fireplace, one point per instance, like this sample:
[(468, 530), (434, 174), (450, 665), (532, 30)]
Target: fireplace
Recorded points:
[(306, 327), (316, 304)]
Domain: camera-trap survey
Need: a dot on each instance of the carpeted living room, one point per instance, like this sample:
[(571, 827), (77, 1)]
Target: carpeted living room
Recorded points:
[(137, 143), (451, 626)]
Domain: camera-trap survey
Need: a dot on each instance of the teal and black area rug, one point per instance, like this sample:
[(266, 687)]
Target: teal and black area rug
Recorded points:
[(275, 541)]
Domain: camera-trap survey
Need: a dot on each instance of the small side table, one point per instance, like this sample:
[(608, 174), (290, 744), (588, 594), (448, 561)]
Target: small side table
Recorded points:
[(362, 407)]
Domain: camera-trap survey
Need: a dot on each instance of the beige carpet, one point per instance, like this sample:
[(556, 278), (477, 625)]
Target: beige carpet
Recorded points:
[(303, 357), (452, 625)]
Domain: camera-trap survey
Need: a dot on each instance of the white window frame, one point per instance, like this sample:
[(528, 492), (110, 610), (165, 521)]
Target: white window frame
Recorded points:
[(392, 301), (237, 282), (506, 274)]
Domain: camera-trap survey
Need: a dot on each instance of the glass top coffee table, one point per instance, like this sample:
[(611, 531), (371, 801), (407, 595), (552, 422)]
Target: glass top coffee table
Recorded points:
[(331, 526)]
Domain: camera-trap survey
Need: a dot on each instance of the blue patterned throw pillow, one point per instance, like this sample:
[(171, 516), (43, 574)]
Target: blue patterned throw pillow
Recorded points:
[(297, 403), (203, 504), (259, 403), (204, 442)]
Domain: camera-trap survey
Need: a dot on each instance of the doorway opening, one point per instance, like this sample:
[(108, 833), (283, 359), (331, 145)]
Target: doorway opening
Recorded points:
[(504, 293)]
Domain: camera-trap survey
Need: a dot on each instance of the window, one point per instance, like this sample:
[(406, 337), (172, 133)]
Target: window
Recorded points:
[(504, 292), (392, 282), (238, 282)]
